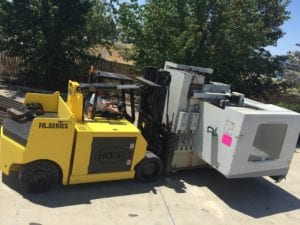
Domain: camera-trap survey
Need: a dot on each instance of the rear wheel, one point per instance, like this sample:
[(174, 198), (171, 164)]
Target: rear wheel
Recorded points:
[(150, 168), (39, 176)]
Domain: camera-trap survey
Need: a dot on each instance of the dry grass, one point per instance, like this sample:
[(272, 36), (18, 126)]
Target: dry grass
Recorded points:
[(114, 53)]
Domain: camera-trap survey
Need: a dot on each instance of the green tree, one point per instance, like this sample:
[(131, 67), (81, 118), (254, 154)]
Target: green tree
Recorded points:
[(226, 35), (152, 29), (101, 26), (52, 36)]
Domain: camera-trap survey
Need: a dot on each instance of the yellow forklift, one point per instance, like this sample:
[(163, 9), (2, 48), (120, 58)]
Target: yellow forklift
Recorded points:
[(50, 141)]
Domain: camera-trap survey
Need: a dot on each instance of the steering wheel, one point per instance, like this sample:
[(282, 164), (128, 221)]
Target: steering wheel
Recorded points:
[(121, 107)]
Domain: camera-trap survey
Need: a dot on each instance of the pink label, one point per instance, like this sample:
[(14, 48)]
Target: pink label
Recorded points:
[(227, 140)]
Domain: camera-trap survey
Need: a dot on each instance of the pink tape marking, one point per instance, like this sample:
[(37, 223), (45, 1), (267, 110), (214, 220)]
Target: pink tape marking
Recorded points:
[(227, 140)]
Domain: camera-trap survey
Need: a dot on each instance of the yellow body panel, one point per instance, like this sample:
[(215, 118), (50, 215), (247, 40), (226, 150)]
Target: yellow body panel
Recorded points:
[(48, 101), (10, 153), (105, 128), (49, 138), (75, 100), (64, 139), (51, 145), (114, 127)]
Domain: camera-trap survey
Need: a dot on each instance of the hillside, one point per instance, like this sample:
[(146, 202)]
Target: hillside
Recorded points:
[(114, 53)]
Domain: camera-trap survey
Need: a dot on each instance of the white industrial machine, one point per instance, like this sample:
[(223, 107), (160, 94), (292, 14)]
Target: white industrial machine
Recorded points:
[(237, 136)]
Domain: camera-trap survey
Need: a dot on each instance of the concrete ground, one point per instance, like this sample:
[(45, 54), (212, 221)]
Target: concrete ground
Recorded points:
[(201, 196)]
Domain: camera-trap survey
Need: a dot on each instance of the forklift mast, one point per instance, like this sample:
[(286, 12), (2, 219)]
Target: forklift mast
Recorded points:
[(154, 96)]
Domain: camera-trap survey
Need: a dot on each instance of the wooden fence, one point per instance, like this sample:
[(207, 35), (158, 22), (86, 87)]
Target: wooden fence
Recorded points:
[(9, 67), (115, 67)]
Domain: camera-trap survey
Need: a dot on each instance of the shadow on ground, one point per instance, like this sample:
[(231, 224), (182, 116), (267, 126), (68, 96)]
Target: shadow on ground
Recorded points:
[(256, 197)]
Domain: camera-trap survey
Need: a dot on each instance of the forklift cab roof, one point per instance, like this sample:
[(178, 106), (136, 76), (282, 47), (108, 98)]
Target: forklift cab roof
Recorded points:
[(99, 75), (93, 87)]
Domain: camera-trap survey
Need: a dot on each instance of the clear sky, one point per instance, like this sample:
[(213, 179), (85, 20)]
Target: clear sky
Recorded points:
[(292, 32), (291, 28)]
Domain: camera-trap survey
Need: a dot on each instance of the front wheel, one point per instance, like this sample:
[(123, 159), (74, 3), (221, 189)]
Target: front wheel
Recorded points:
[(150, 168), (39, 176)]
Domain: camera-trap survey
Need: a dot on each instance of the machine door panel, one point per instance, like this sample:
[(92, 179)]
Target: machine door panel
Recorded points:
[(110, 154)]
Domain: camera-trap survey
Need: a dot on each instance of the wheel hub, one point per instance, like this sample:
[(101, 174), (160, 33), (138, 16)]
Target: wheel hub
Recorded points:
[(39, 176), (150, 170)]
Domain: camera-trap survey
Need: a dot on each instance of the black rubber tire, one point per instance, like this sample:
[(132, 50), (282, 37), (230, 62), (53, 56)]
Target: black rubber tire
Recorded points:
[(150, 168), (39, 176)]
